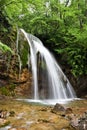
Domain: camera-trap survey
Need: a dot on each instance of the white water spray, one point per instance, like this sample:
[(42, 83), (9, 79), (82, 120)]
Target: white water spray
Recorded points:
[(57, 85)]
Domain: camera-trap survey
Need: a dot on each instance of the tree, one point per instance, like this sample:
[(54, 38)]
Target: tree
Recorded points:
[(62, 26)]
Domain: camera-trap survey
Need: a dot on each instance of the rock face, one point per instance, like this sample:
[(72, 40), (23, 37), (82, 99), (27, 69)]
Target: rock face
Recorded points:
[(9, 73), (82, 86), (79, 84)]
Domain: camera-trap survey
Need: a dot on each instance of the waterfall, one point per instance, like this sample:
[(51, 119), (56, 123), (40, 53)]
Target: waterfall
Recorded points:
[(49, 81)]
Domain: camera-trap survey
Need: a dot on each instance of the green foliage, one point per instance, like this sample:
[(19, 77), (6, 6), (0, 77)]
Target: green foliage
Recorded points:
[(61, 26), (5, 48), (77, 59), (24, 56)]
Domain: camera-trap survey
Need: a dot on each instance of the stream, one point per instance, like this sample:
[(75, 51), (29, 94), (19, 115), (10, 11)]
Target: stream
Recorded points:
[(23, 115)]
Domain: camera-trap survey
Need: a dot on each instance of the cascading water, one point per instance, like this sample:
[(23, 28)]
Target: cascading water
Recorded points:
[(45, 68)]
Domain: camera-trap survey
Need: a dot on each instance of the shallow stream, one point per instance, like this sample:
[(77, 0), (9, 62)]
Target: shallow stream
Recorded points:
[(31, 116)]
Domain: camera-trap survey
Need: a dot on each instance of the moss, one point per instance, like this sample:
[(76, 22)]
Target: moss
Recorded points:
[(8, 90), (24, 56), (23, 52), (4, 91)]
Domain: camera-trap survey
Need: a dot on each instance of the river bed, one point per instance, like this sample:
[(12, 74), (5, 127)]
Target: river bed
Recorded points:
[(21, 115)]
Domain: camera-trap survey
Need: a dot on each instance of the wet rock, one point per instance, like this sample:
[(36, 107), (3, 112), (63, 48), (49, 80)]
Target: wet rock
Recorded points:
[(83, 122), (79, 123), (4, 114), (83, 125), (68, 110), (58, 107), (74, 121), (3, 118), (2, 121)]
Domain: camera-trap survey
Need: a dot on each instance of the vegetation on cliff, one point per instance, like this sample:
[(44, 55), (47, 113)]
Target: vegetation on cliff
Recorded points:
[(61, 25)]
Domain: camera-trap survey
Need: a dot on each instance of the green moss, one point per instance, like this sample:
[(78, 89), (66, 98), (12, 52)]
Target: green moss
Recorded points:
[(4, 91), (8, 90), (24, 56), (23, 49)]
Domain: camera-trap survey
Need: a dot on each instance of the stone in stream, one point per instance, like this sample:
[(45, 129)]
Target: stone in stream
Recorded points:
[(83, 122), (74, 121), (59, 107), (4, 114), (2, 121), (68, 110), (79, 123)]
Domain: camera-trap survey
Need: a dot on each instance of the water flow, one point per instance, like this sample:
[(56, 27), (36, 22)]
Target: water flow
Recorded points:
[(53, 82)]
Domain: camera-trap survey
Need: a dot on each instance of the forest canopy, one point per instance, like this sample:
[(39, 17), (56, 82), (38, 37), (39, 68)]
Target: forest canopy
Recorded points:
[(60, 24)]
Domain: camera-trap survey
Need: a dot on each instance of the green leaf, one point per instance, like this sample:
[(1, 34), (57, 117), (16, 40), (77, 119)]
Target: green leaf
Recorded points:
[(5, 48)]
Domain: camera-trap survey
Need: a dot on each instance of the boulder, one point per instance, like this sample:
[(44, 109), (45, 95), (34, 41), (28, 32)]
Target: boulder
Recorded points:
[(58, 107)]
